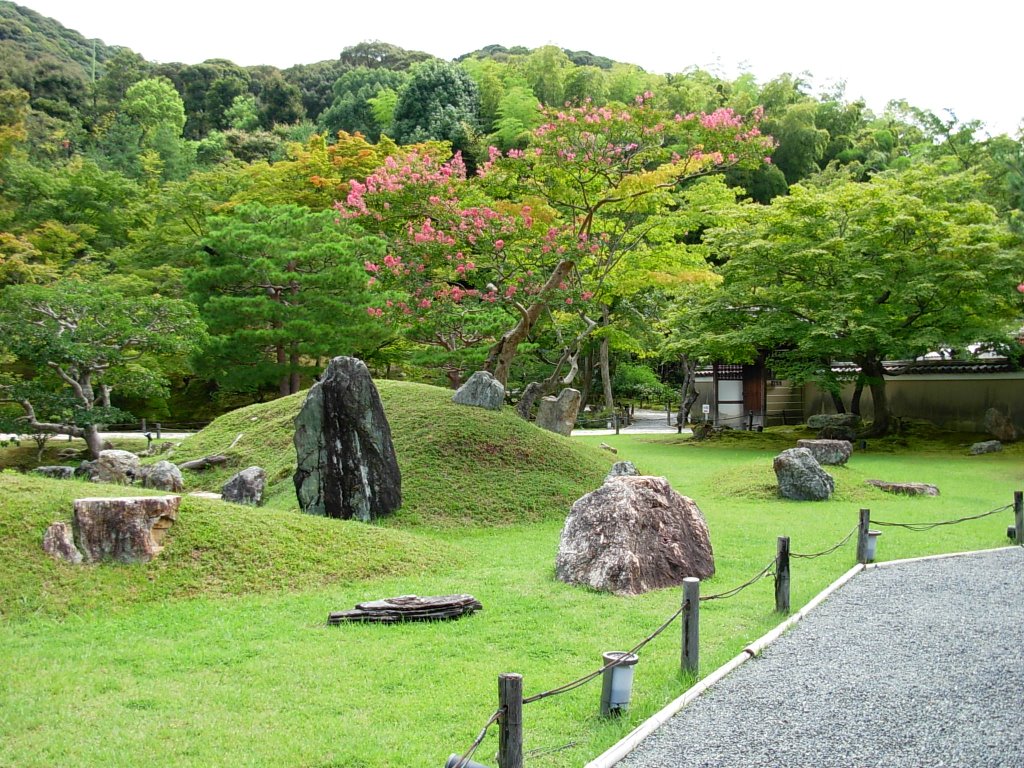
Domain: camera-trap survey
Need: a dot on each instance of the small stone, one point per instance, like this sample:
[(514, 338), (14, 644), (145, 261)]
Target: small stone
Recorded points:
[(56, 472), (163, 476), (1001, 427), (127, 529), (622, 469), (246, 487), (833, 452), (59, 544), (800, 477), (481, 390), (558, 414), (905, 489), (117, 467), (986, 446), (632, 535)]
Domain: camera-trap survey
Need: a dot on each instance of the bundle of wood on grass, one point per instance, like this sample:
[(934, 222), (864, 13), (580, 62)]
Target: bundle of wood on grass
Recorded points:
[(409, 608)]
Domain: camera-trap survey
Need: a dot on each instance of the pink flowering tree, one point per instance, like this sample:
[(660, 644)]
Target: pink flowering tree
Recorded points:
[(484, 260)]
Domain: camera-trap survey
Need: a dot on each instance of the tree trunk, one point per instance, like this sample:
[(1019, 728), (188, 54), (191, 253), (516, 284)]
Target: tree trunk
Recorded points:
[(587, 378), (837, 402), (603, 362), (93, 440), (688, 391), (858, 391), (875, 376), (501, 355)]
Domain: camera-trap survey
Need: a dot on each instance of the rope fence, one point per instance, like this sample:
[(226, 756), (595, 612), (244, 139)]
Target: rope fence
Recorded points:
[(511, 701)]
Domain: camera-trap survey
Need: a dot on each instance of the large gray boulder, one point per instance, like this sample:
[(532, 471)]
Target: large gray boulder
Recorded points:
[(986, 446), (117, 467), (127, 530), (558, 414), (822, 420), (347, 466), (833, 452), (632, 535), (245, 487), (1000, 427), (800, 476), (163, 476), (56, 472), (59, 543), (622, 469), (481, 390)]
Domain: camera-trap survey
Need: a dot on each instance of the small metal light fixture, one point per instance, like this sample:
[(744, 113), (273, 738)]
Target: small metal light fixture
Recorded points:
[(871, 545), (617, 681), (453, 760)]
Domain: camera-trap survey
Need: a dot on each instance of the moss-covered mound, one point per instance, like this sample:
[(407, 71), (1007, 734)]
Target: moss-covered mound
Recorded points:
[(460, 465), (214, 549)]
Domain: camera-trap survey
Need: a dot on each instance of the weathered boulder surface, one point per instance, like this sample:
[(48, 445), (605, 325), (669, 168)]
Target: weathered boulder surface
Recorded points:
[(86, 470), (56, 472), (163, 476), (59, 543), (986, 446), (347, 466), (118, 467), (632, 535), (828, 451), (622, 469), (822, 420), (558, 414), (800, 477), (127, 530), (245, 487), (481, 390), (1000, 427), (906, 489), (849, 434)]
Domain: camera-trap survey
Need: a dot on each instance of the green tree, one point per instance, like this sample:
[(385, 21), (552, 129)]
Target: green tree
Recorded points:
[(440, 101), (282, 288), (894, 268), (81, 341)]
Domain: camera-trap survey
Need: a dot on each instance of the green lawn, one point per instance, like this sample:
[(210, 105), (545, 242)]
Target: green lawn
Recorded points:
[(184, 671)]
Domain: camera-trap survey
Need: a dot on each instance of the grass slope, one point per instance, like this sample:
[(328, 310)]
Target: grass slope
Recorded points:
[(460, 466)]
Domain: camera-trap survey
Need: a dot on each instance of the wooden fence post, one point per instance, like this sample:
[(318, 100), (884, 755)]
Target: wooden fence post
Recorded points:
[(510, 732), (782, 575), (862, 536), (1018, 516), (690, 661)]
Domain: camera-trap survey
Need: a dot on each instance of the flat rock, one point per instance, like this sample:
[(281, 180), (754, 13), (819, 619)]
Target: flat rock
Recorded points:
[(126, 530), (59, 543), (347, 467), (481, 390), (56, 472), (800, 477), (632, 535), (986, 446), (833, 452), (558, 414), (392, 610), (822, 420), (163, 476), (245, 487), (906, 489)]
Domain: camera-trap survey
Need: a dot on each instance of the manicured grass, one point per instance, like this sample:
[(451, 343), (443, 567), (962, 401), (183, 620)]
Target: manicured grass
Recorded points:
[(230, 676)]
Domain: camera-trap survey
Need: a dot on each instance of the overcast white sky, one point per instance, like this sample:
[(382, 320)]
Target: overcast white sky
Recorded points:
[(935, 55)]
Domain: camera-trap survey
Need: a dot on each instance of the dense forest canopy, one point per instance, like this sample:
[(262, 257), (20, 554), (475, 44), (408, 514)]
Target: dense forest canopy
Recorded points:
[(548, 214)]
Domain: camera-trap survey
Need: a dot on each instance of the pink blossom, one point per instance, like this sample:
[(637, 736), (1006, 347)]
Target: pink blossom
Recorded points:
[(499, 244), (587, 295), (1020, 288), (369, 266)]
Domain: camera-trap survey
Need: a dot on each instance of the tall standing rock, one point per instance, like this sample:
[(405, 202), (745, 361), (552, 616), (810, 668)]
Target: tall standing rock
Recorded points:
[(558, 414), (347, 466)]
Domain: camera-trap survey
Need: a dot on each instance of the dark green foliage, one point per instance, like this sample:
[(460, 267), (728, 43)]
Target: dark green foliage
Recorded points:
[(440, 101), (350, 109)]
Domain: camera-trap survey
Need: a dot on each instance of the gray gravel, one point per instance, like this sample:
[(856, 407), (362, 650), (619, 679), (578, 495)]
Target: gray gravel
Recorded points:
[(916, 665)]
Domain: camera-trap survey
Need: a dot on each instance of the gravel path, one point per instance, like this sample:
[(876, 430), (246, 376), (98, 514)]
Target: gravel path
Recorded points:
[(916, 665)]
